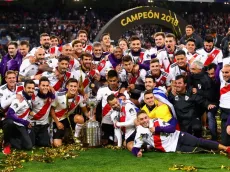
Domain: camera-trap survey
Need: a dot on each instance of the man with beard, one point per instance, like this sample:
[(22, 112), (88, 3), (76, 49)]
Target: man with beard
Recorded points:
[(106, 44), (63, 112), (190, 50), (137, 53), (16, 124), (123, 116), (190, 33), (187, 104), (39, 116), (45, 44), (113, 88), (224, 103), (134, 80), (209, 53), (11, 61), (86, 74), (180, 67), (165, 137), (60, 75), (24, 48), (30, 68), (82, 36), (163, 79), (166, 56)]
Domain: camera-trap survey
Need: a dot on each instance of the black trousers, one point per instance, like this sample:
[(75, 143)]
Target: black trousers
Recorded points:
[(225, 138), (39, 135), (15, 135), (190, 143), (194, 127)]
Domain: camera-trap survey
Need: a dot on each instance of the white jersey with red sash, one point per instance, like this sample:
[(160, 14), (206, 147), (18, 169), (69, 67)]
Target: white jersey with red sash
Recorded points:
[(28, 69), (7, 96), (125, 118), (175, 70), (73, 65), (21, 109), (166, 59), (102, 94), (164, 80), (41, 110), (224, 92), (55, 51), (64, 107), (56, 83), (139, 78), (165, 142), (137, 59), (215, 56), (88, 49)]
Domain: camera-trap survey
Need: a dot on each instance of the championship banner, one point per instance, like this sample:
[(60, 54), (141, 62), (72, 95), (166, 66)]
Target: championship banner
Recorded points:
[(143, 15)]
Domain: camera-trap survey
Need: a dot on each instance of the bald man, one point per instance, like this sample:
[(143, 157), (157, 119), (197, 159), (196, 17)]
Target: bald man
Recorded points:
[(30, 66)]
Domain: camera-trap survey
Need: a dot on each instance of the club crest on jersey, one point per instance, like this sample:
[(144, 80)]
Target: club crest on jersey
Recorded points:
[(15, 105), (186, 98), (176, 98), (199, 86)]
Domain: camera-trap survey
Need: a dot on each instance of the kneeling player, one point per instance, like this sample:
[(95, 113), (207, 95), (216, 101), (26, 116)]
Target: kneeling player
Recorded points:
[(123, 116), (164, 137), (62, 112)]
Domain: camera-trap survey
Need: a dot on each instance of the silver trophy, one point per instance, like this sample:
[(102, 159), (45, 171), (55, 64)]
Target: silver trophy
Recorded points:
[(91, 131)]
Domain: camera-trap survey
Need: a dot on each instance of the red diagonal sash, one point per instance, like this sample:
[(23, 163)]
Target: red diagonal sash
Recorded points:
[(43, 110), (24, 114), (101, 65), (157, 138), (225, 89), (161, 82), (58, 85), (211, 57), (107, 108), (141, 58), (123, 117), (62, 112), (89, 49)]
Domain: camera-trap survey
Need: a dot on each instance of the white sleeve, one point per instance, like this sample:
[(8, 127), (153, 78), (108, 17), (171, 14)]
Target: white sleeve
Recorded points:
[(168, 80), (15, 105), (159, 56), (7, 102), (220, 57), (122, 75), (114, 116), (172, 72), (138, 141), (55, 101), (141, 98), (25, 64), (82, 103), (99, 94), (131, 113), (143, 74)]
